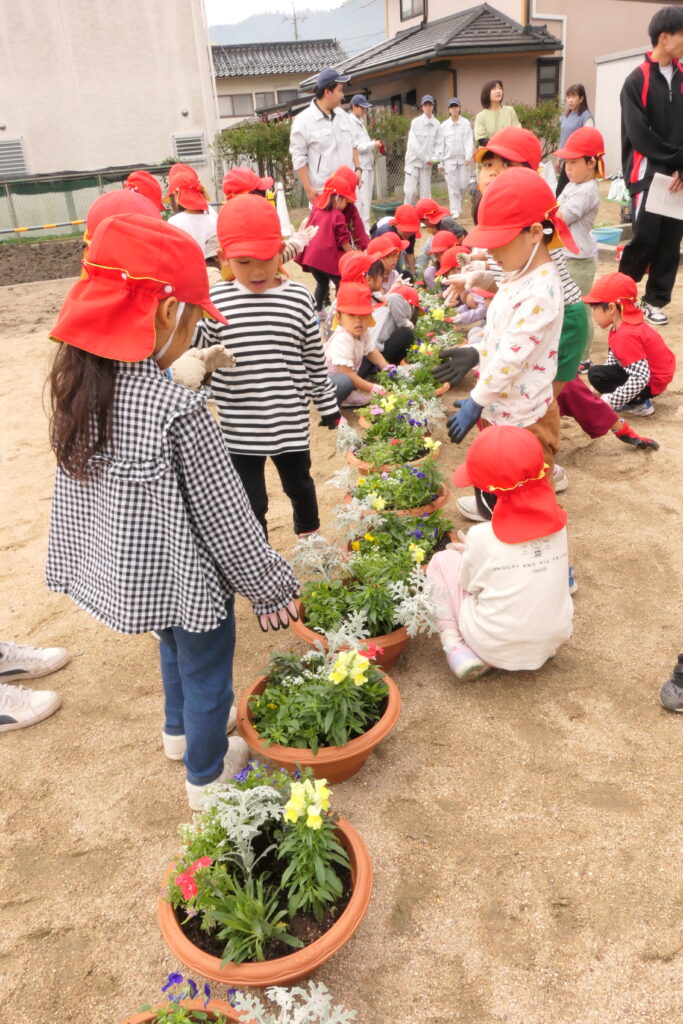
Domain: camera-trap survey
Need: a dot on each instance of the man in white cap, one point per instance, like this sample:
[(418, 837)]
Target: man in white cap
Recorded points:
[(321, 139), (424, 144), (367, 148), (457, 149)]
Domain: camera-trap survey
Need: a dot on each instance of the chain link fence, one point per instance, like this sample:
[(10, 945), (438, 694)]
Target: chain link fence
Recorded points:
[(48, 200)]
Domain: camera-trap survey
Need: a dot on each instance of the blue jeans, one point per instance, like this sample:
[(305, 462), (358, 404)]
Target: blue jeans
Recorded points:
[(196, 670), (343, 383)]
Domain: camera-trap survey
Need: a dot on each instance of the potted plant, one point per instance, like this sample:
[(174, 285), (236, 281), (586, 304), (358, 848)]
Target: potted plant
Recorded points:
[(183, 1007), (269, 883), (429, 409), (377, 596), (294, 1006), (327, 713), (392, 440), (414, 379), (406, 490)]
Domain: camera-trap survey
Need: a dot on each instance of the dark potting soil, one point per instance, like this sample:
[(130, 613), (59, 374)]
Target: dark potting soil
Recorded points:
[(304, 926), (40, 261)]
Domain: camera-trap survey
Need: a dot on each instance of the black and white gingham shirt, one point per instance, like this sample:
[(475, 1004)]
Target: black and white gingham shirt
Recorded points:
[(264, 401), (162, 533)]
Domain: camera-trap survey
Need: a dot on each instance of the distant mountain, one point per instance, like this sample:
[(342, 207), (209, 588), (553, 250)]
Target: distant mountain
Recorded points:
[(357, 25)]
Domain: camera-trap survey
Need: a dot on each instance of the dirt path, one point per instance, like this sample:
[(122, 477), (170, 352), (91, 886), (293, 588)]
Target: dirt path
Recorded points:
[(523, 828)]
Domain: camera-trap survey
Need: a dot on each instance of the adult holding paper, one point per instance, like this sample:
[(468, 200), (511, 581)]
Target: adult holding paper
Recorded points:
[(652, 142)]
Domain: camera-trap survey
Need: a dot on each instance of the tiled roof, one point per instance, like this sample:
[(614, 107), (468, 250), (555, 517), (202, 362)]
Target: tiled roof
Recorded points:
[(478, 30), (300, 57)]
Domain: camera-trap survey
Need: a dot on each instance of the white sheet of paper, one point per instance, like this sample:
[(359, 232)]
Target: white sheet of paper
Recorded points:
[(660, 200)]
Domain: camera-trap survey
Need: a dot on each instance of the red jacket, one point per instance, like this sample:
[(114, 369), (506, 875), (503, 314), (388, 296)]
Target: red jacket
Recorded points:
[(632, 342), (323, 251)]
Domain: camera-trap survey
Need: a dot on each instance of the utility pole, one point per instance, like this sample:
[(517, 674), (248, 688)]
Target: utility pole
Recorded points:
[(294, 18)]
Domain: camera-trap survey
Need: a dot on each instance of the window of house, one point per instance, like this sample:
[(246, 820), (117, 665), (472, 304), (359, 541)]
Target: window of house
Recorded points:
[(264, 99), (287, 95), (412, 8), (237, 105), (547, 80)]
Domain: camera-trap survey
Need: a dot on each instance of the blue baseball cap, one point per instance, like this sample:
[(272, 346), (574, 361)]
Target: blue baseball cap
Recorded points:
[(359, 100), (330, 77), (427, 99), (455, 102)]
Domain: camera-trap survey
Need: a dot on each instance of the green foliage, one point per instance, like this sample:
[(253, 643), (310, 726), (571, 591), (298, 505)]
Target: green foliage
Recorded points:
[(264, 142), (249, 918), (393, 438), (397, 532), (407, 487), (294, 1006), (543, 119), (310, 877), (302, 705), (392, 129)]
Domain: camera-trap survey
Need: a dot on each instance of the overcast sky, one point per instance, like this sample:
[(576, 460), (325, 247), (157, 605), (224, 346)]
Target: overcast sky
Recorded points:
[(223, 12)]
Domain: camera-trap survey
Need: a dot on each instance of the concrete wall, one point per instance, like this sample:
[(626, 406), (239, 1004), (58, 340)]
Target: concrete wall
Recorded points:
[(251, 84), (98, 83)]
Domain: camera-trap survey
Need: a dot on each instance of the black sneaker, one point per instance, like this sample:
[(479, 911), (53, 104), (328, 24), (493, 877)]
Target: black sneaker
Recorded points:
[(654, 314), (671, 694)]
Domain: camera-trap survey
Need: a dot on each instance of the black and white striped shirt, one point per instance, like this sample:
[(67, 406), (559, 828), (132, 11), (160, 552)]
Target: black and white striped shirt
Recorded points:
[(161, 533), (264, 401)]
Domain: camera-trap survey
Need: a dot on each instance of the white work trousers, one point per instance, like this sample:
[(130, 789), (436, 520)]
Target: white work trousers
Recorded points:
[(364, 196), (457, 178), (415, 176)]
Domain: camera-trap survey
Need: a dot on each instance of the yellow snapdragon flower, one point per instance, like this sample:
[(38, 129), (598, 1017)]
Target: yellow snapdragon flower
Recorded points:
[(368, 537), (438, 314), (417, 553), (355, 545)]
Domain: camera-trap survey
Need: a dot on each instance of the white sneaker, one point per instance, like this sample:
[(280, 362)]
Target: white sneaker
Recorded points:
[(463, 661), (20, 707), (467, 507), (174, 746), (235, 760), (18, 661), (560, 479), (654, 314), (645, 408)]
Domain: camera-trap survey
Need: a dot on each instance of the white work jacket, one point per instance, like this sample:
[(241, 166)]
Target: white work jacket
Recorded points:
[(323, 143), (424, 141), (363, 143), (457, 141)]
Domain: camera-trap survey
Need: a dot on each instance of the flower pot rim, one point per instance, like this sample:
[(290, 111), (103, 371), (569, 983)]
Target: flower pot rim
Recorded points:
[(216, 1006), (302, 629), (293, 966), (386, 467), (326, 756)]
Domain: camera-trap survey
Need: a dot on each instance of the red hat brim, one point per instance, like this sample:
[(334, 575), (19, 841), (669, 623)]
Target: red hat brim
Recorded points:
[(523, 513), (191, 199)]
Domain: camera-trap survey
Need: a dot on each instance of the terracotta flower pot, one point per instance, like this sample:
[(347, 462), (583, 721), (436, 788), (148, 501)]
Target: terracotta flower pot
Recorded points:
[(293, 966), (432, 506), (332, 763), (393, 643), (215, 1008), (367, 467)]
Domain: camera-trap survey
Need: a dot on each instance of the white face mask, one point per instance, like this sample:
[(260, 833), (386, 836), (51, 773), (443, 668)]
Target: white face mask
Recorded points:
[(513, 275), (158, 356)]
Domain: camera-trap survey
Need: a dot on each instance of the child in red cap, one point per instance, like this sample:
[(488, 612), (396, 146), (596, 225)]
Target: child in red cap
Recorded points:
[(386, 248), (503, 591), (264, 401), (146, 185), (395, 316), (640, 365), (406, 224), (150, 527), (333, 238), (190, 204), (350, 353), (518, 353)]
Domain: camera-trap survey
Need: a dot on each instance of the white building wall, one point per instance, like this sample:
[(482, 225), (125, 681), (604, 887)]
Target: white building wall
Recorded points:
[(98, 83), (240, 85), (611, 71)]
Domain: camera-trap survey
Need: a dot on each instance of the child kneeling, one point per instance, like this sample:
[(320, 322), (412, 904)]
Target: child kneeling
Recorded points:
[(350, 352), (639, 363), (503, 593)]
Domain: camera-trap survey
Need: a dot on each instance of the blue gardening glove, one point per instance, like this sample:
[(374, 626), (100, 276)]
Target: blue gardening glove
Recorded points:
[(460, 424)]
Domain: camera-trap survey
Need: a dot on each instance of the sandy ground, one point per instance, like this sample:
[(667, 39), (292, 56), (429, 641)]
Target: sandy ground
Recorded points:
[(523, 828)]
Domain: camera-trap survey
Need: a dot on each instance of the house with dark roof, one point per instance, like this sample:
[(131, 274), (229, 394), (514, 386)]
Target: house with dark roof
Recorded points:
[(453, 56), (536, 47), (253, 76)]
